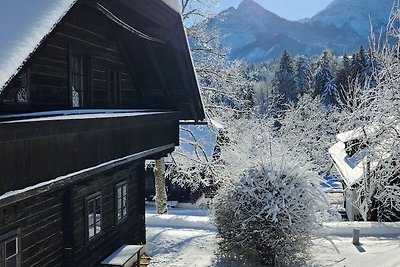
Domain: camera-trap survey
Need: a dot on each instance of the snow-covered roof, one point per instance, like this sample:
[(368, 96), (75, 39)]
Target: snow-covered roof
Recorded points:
[(351, 168), (358, 133), (25, 24)]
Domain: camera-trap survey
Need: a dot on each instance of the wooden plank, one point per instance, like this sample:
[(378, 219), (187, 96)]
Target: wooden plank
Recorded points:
[(45, 255), (30, 217), (52, 61), (40, 79), (109, 59), (94, 32), (86, 42)]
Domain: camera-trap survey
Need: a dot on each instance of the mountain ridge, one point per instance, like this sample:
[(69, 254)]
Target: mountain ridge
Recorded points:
[(256, 34)]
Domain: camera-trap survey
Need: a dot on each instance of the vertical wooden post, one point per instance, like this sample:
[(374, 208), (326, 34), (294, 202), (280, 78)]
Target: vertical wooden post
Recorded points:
[(139, 191), (356, 236)]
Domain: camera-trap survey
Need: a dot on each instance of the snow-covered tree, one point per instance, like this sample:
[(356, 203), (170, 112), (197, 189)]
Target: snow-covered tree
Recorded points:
[(269, 208), (204, 48), (325, 81), (343, 78), (284, 80), (372, 108), (227, 90), (311, 130), (303, 75), (265, 98)]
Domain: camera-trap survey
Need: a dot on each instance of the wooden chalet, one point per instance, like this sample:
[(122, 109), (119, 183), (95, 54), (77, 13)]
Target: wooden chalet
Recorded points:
[(89, 89)]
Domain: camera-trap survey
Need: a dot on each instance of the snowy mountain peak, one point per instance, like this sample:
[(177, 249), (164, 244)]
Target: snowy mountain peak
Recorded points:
[(248, 4), (356, 14), (255, 34), (250, 7)]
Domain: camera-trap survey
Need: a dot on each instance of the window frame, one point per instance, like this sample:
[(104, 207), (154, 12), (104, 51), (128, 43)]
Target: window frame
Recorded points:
[(88, 199), (7, 238), (76, 51), (120, 211), (78, 74)]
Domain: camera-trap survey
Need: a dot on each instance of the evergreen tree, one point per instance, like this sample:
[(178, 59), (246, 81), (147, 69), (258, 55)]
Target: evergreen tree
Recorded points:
[(359, 66), (343, 78), (362, 61), (354, 68), (303, 75), (284, 80), (325, 85), (330, 94)]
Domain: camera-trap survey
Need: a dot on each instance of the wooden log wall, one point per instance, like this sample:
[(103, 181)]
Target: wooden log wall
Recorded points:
[(85, 33), (34, 152), (129, 231), (41, 220)]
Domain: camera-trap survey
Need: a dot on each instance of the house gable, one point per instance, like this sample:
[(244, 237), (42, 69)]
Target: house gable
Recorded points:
[(119, 45)]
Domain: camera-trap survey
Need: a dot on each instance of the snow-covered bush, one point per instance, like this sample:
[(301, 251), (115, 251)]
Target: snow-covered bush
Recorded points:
[(269, 214)]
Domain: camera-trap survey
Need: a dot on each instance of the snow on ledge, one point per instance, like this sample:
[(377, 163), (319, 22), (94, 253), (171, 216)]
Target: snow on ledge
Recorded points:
[(366, 228), (179, 221), (84, 116)]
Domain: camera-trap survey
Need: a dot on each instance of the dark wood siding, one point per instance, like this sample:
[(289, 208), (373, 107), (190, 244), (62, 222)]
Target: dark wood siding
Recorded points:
[(113, 235), (33, 152), (84, 32), (41, 220)]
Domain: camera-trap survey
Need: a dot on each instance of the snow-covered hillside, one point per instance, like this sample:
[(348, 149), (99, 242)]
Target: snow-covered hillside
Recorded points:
[(255, 34), (356, 14)]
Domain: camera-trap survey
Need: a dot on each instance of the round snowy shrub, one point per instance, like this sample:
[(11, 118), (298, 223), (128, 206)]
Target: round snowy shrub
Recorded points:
[(269, 214)]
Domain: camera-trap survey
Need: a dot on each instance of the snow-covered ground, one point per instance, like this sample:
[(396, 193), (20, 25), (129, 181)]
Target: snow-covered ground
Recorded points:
[(185, 237)]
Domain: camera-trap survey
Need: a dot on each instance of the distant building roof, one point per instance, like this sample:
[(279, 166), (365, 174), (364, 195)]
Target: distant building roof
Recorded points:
[(352, 167)]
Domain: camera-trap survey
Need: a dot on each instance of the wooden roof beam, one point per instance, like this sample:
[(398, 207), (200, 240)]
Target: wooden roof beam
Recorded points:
[(126, 26)]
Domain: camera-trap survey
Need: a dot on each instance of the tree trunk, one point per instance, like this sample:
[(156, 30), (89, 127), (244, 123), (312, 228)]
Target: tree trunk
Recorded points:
[(161, 194)]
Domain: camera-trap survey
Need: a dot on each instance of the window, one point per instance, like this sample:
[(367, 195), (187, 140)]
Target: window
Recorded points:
[(93, 215), (121, 200), (77, 81), (19, 90), (10, 249)]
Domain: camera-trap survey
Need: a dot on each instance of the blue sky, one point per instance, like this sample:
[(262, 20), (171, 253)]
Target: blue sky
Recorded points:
[(288, 9)]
